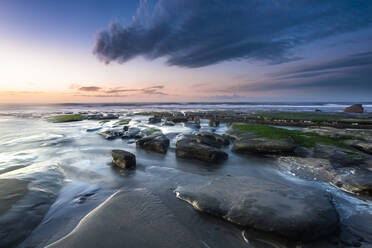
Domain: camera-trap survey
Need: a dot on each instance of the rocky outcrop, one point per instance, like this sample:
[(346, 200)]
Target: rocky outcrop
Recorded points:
[(189, 149), (156, 142), (305, 214), (264, 146), (216, 137), (354, 180), (123, 159), (355, 108)]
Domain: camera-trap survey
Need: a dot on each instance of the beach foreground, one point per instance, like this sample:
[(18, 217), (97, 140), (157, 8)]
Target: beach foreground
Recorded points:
[(185, 178)]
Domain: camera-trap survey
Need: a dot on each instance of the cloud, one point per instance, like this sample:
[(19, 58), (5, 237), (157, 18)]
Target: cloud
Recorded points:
[(349, 74), (120, 92), (196, 33), (90, 88)]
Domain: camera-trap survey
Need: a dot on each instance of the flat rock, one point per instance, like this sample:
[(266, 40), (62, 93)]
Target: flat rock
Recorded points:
[(308, 168), (264, 146), (188, 149), (123, 159), (155, 142), (354, 180), (297, 213)]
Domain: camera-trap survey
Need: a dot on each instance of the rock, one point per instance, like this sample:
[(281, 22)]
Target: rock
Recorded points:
[(132, 133), (123, 159), (169, 123), (264, 146), (191, 150), (107, 135), (203, 140), (154, 120), (355, 108), (177, 119), (337, 156), (296, 213), (93, 129), (363, 146), (308, 168), (155, 142), (216, 137), (214, 123), (357, 229), (354, 180)]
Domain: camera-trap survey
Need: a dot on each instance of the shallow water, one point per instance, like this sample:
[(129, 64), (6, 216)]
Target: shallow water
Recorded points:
[(68, 174)]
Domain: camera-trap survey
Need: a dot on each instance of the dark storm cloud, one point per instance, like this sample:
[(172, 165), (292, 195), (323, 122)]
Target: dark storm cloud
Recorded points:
[(90, 88), (196, 33), (351, 73)]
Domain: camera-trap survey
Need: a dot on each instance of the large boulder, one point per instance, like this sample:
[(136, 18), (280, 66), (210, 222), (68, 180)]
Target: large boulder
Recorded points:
[(297, 213), (156, 142), (355, 108), (354, 180), (189, 149), (264, 146), (123, 159), (216, 137)]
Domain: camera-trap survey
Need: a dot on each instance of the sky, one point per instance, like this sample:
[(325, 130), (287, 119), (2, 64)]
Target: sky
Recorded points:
[(185, 50)]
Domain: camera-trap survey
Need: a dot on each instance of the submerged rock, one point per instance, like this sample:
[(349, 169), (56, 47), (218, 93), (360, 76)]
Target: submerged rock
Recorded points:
[(123, 159), (156, 142), (191, 150), (216, 137), (264, 146), (296, 213), (354, 180), (355, 108)]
